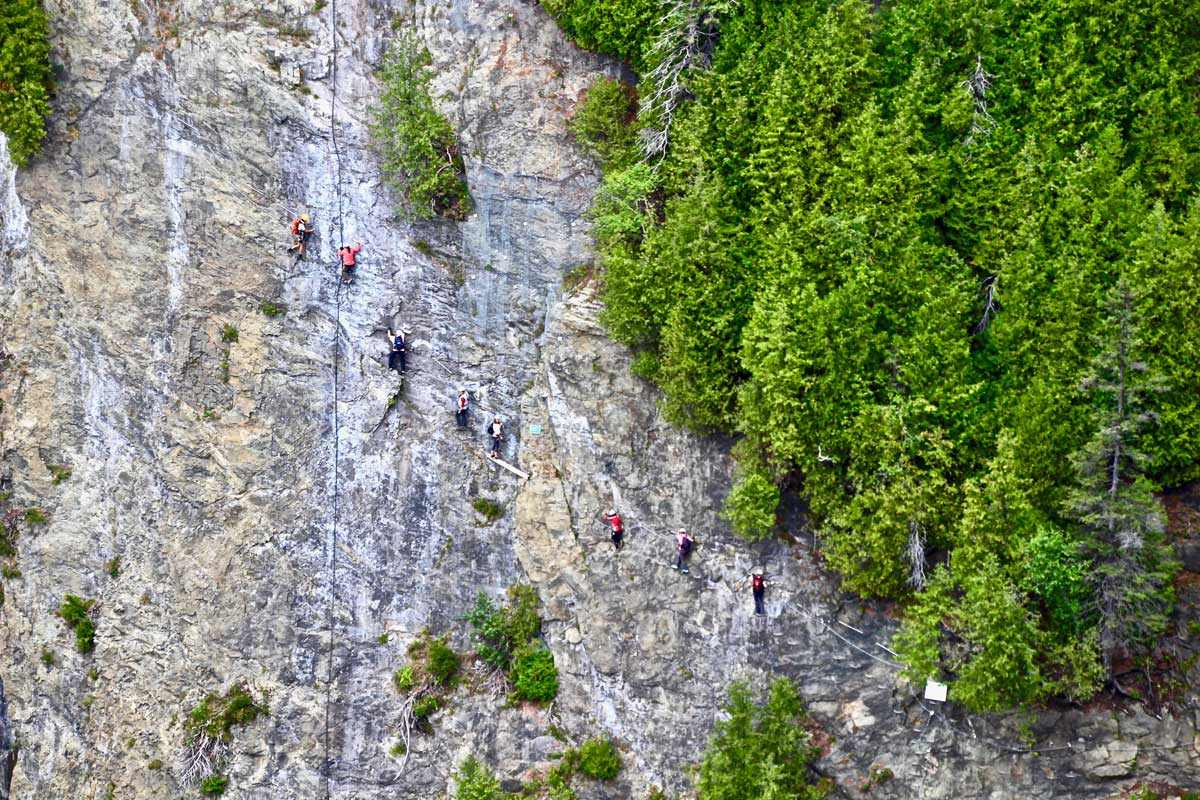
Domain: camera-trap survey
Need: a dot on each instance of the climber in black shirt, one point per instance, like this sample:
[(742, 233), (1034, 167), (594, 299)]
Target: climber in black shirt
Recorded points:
[(398, 350), (495, 429)]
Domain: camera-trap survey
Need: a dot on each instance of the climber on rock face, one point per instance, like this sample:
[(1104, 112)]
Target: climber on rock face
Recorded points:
[(347, 255), (460, 408), (398, 351), (301, 230), (496, 431), (684, 541), (759, 584), (618, 530)]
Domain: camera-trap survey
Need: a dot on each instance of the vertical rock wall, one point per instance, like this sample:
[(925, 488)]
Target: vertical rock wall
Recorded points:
[(280, 501)]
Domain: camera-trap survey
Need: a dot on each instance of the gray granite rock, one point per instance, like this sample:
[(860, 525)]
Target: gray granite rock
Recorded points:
[(275, 512)]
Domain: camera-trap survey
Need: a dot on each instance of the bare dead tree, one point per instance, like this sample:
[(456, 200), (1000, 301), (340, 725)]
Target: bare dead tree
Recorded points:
[(202, 755), (989, 305), (687, 31), (916, 555), (976, 87)]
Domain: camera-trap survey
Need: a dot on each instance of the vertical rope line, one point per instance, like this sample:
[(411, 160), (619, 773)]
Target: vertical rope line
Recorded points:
[(327, 766)]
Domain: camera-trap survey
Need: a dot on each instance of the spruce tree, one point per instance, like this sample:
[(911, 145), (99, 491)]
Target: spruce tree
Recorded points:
[(1114, 501)]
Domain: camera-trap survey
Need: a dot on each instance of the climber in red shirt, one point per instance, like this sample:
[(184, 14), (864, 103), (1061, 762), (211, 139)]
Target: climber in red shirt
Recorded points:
[(347, 254), (618, 530)]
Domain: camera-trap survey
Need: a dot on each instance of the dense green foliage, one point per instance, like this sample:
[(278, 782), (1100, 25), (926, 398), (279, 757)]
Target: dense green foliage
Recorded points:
[(417, 146), (74, 611), (476, 782), (611, 26), (760, 751), (500, 630), (603, 122), (24, 76), (443, 662), (599, 759), (218, 714), (214, 785), (880, 247), (534, 675)]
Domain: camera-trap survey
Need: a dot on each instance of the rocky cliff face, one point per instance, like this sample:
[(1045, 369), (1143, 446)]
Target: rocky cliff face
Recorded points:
[(278, 500)]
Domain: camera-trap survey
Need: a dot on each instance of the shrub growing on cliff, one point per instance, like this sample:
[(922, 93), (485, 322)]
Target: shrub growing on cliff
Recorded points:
[(443, 662), (417, 146), (24, 76), (74, 611), (760, 750), (214, 785), (476, 782), (598, 759), (500, 630), (208, 730), (534, 675)]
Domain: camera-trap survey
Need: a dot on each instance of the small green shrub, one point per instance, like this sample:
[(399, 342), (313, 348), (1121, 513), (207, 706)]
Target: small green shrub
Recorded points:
[(217, 714), (93, 674), (476, 782), (272, 309), (48, 657), (59, 473), (443, 662), (521, 619), (426, 706), (534, 675), (398, 749), (214, 785), (9, 571), (599, 759), (229, 334), (488, 509), (113, 566), (35, 516), (25, 69), (225, 365), (155, 764), (382, 638), (403, 678), (500, 630), (74, 611), (88, 700), (318, 5)]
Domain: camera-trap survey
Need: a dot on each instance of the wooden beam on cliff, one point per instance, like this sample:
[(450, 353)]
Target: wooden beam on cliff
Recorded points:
[(509, 467)]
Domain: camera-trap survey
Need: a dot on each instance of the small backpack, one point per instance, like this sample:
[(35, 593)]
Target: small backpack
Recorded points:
[(758, 583)]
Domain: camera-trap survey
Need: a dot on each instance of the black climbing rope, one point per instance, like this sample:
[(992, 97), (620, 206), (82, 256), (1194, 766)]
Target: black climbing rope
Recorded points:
[(331, 557)]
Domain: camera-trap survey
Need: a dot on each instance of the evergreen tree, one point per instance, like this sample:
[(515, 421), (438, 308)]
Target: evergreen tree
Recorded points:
[(1114, 501), (24, 76), (760, 751)]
